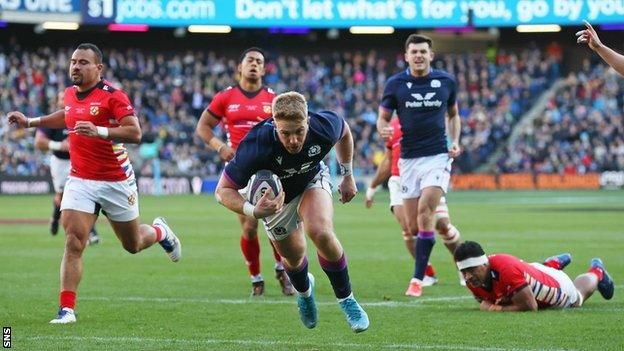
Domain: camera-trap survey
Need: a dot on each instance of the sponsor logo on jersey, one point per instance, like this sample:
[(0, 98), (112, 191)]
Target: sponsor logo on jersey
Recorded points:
[(67, 108), (409, 85), (80, 110), (266, 109), (279, 159), (314, 150), (423, 101), (94, 110), (251, 107), (233, 107), (435, 83)]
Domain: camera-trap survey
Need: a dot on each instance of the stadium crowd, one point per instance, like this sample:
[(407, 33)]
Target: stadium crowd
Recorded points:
[(581, 130), (170, 90)]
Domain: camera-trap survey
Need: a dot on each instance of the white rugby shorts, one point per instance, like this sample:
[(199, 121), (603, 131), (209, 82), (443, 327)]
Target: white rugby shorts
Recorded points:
[(59, 170), (394, 185), (281, 225), (566, 285), (424, 172), (118, 200)]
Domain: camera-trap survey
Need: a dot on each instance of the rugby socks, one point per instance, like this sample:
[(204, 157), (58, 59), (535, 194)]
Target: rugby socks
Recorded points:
[(429, 271), (68, 299), (553, 263), (251, 252), (159, 233), (597, 271), (338, 275), (299, 277), (424, 245)]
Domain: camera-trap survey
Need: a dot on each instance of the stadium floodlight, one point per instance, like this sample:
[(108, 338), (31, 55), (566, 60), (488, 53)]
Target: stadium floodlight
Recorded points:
[(371, 30), (60, 25), (538, 28), (209, 29)]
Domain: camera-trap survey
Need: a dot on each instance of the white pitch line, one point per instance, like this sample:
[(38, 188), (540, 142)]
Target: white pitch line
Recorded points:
[(391, 304), (204, 342)]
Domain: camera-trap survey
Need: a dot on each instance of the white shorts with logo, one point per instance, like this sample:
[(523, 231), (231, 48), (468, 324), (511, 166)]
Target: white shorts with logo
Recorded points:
[(423, 172), (118, 200), (59, 170), (566, 285), (281, 225)]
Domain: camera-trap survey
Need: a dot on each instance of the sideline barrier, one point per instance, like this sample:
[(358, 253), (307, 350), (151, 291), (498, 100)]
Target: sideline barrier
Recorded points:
[(527, 181), (13, 185)]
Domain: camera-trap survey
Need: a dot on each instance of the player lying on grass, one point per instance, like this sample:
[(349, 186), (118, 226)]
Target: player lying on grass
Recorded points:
[(503, 282)]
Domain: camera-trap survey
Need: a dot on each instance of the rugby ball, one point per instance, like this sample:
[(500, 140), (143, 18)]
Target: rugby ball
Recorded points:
[(260, 183)]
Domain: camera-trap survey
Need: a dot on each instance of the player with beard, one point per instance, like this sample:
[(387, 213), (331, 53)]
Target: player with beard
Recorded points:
[(99, 119)]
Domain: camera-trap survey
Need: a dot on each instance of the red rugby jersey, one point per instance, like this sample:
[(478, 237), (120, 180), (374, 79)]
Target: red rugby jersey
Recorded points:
[(240, 110), (394, 144), (92, 157), (510, 274)]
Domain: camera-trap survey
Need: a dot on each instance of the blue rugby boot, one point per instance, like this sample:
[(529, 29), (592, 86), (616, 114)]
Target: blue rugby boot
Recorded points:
[(356, 317), (169, 241), (605, 285), (563, 260), (307, 306)]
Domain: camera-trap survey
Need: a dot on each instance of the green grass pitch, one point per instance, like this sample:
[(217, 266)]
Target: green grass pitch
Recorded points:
[(146, 302)]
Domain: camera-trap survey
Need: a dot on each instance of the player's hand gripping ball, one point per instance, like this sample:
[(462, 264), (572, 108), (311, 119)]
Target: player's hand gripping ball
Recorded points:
[(262, 182)]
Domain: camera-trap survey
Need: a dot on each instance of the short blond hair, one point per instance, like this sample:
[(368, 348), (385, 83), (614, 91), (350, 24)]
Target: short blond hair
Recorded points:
[(290, 106)]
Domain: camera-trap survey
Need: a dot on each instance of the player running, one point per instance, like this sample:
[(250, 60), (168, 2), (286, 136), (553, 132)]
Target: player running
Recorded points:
[(99, 118), (240, 108), (389, 168), (424, 99), (292, 145), (55, 140), (505, 283)]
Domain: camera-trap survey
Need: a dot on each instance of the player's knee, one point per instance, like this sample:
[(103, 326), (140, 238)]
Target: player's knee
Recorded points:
[(73, 244), (131, 247)]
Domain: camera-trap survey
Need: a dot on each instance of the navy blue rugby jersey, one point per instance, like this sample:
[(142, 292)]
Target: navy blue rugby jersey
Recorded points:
[(261, 149), (421, 104), (55, 134)]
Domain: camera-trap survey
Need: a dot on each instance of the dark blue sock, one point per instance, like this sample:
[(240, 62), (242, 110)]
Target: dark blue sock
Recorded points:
[(299, 276), (338, 275), (424, 245)]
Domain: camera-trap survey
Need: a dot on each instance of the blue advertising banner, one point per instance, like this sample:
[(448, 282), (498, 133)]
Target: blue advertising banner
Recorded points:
[(49, 6), (98, 11), (345, 13)]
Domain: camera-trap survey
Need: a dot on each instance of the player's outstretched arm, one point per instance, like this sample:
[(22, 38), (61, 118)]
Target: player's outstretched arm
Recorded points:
[(522, 301), (590, 37), (128, 131), (344, 155), (453, 128), (383, 123), (205, 130), (53, 120), (383, 172)]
